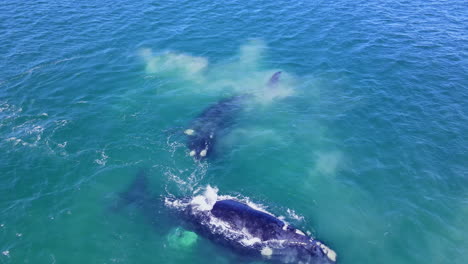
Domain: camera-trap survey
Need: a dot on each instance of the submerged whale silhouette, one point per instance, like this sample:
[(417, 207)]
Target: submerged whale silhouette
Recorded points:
[(204, 129), (235, 225)]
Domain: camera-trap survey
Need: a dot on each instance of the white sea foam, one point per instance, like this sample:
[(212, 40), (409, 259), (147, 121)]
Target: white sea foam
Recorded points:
[(14, 140), (207, 200), (27, 135), (293, 215), (250, 54), (9, 111), (187, 66), (239, 75), (103, 160), (175, 203)]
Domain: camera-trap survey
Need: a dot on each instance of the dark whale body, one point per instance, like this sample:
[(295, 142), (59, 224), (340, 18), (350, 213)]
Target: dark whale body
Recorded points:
[(254, 233), (231, 223), (205, 129)]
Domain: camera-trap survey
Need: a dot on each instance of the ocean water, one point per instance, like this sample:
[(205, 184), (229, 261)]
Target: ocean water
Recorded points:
[(363, 143)]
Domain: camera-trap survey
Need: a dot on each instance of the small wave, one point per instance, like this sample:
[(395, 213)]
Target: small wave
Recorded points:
[(29, 130), (35, 68), (173, 145), (102, 160), (293, 215), (31, 135), (185, 181), (8, 111)]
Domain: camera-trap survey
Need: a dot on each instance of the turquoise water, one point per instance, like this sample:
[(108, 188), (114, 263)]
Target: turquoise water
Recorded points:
[(363, 144)]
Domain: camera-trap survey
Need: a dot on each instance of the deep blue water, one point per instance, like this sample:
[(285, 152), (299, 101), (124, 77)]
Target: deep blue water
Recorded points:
[(363, 144)]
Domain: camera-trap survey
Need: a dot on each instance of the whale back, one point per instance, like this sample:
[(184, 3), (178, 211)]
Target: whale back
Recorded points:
[(240, 216), (212, 121), (269, 229)]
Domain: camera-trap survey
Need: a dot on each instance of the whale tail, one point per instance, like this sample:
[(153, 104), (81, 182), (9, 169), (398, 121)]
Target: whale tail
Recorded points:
[(274, 79)]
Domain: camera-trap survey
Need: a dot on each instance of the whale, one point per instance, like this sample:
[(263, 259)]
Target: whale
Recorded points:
[(234, 224), (204, 130)]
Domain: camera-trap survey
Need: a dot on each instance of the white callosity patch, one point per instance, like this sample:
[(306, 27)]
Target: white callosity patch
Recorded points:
[(266, 251), (299, 232), (192, 153), (330, 253), (203, 152), (189, 132), (250, 241)]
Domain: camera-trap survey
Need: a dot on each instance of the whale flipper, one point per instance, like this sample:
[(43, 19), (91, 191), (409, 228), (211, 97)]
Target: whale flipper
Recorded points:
[(136, 193), (274, 79)]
